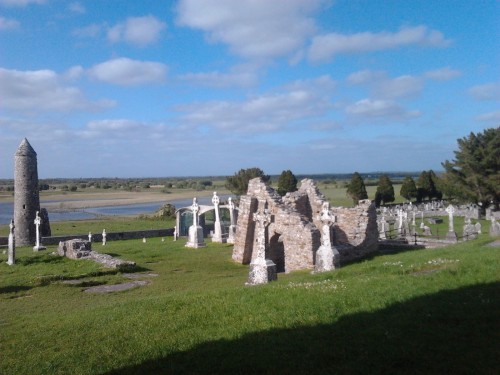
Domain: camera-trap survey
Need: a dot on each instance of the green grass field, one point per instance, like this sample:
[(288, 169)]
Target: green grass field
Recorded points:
[(417, 312)]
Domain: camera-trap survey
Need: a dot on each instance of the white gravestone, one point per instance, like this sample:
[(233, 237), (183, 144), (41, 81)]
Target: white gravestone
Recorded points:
[(232, 225), (12, 244), (451, 235), (217, 236), (195, 238), (103, 237), (90, 236), (262, 270), (38, 246), (327, 255)]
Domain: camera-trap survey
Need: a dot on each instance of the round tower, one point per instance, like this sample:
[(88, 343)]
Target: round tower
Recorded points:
[(26, 196)]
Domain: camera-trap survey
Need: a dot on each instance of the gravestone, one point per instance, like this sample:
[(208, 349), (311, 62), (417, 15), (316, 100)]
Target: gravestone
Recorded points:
[(451, 235), (217, 235), (469, 231), (262, 270), (195, 239), (327, 255), (232, 225), (38, 245), (478, 227), (12, 244), (104, 237), (494, 227)]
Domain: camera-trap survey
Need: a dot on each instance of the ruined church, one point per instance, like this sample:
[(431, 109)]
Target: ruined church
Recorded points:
[(293, 236)]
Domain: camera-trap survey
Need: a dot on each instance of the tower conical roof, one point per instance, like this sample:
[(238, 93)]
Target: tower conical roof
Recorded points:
[(25, 149)]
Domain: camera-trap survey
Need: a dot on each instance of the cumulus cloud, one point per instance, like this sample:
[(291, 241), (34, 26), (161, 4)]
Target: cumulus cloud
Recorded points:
[(127, 72), (254, 29), (140, 31), (263, 113), (20, 3), (382, 86), (325, 47), (90, 31), (488, 91), (42, 90), (379, 109), (443, 74), (8, 23)]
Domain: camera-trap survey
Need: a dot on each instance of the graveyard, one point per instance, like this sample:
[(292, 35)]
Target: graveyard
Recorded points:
[(187, 310)]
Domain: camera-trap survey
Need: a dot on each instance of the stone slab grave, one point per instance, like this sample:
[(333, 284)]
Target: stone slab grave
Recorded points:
[(434, 220), (82, 249)]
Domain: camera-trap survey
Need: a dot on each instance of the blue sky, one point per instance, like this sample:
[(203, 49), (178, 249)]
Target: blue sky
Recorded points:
[(110, 88)]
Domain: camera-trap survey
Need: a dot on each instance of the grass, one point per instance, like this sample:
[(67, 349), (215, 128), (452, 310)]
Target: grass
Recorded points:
[(417, 312)]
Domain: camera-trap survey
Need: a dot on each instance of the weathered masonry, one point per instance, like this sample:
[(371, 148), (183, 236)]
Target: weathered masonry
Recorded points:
[(293, 237)]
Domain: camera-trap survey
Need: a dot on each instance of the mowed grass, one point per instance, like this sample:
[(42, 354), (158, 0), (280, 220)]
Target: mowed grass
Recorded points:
[(429, 311)]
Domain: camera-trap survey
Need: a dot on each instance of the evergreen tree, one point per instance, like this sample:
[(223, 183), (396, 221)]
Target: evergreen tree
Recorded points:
[(238, 184), (287, 182), (356, 188), (408, 189), (426, 186), (385, 191), (474, 174)]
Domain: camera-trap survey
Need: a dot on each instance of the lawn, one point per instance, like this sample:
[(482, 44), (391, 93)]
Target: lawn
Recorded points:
[(417, 312)]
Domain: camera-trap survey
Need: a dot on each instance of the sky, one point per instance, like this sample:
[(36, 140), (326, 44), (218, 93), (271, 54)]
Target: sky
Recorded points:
[(153, 88)]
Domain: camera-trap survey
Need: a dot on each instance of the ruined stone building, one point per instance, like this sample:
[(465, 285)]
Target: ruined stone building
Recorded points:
[(293, 237)]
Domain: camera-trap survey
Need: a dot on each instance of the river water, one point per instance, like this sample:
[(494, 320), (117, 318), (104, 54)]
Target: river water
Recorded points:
[(7, 209)]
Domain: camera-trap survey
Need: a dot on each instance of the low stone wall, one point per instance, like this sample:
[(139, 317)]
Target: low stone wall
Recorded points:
[(112, 236)]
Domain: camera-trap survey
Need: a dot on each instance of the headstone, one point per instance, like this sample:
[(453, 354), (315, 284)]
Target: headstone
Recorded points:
[(383, 228), (217, 235), (175, 233), (195, 239), (90, 236), (478, 227), (262, 270), (494, 227), (427, 231), (327, 255), (451, 235), (232, 225), (144, 240), (38, 245), (12, 244), (104, 237)]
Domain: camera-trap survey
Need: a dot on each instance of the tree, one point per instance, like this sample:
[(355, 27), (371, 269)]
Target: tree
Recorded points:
[(356, 188), (287, 182), (238, 184), (474, 174), (408, 189), (426, 186), (385, 191)]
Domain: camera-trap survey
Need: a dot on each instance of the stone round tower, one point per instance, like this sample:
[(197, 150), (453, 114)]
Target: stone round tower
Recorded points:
[(26, 196)]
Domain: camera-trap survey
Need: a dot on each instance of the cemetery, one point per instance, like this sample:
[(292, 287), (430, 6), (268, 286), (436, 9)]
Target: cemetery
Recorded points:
[(278, 278)]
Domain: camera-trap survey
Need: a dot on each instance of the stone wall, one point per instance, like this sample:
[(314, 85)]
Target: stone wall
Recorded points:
[(112, 236), (293, 237)]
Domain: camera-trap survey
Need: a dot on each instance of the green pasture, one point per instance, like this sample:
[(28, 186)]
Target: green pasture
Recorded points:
[(429, 311)]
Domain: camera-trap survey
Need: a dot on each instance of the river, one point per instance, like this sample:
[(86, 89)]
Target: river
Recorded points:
[(7, 209)]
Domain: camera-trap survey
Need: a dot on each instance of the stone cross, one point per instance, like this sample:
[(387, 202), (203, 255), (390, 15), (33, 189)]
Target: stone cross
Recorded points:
[(12, 244), (450, 210), (262, 218), (38, 246), (217, 237), (327, 219), (90, 236), (103, 237), (195, 208), (232, 226)]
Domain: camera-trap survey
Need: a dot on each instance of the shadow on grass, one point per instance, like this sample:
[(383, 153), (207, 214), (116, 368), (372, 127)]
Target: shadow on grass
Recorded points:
[(52, 259), (14, 289), (454, 332)]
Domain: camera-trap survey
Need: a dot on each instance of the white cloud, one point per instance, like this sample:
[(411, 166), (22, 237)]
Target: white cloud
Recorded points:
[(8, 23), (380, 109), (220, 80), (90, 31), (490, 117), (381, 86), (325, 47), (73, 73), (77, 8), (264, 113), (116, 128), (20, 3), (488, 91), (254, 29), (127, 72), (42, 90), (140, 31), (443, 74)]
